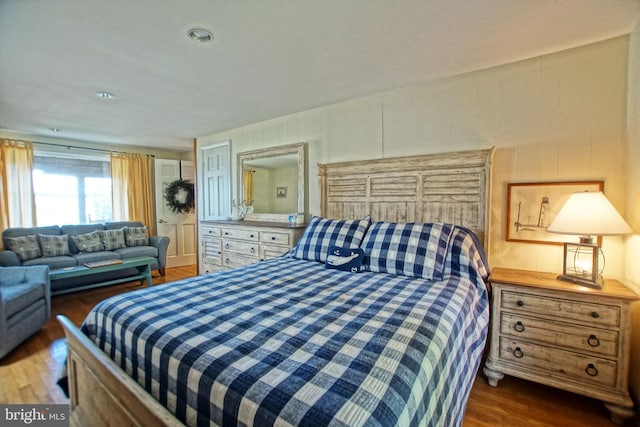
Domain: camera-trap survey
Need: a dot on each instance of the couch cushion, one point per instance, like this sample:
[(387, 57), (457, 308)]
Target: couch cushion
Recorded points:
[(95, 256), (112, 239), (26, 247), (20, 296), (136, 236), (89, 242), (53, 262), (54, 245), (76, 230), (135, 251), (27, 231), (120, 224)]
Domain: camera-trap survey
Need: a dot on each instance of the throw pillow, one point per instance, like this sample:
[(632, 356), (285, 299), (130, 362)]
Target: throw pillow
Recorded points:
[(136, 236), (345, 259), (88, 242), (112, 239), (26, 247), (54, 245), (409, 249), (322, 233)]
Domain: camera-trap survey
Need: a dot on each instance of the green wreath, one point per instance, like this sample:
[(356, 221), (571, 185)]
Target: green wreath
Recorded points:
[(179, 196)]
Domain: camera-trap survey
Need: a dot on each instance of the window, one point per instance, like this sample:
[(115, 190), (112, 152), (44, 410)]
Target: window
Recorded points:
[(72, 189)]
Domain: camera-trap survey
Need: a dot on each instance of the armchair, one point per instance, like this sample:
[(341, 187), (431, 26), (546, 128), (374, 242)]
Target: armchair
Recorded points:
[(25, 304)]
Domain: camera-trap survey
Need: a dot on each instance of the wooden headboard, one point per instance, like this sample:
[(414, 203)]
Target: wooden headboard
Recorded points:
[(447, 187)]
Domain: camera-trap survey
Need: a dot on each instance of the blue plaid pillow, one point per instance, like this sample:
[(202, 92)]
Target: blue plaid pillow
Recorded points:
[(322, 233), (411, 249)]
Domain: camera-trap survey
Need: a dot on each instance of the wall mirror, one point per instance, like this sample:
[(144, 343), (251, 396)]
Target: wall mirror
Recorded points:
[(271, 182)]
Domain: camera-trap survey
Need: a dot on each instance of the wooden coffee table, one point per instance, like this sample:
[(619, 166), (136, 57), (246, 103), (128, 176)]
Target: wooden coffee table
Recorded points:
[(142, 264)]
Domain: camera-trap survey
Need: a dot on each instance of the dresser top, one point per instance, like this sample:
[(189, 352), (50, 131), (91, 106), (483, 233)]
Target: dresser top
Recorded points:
[(254, 224), (542, 280)]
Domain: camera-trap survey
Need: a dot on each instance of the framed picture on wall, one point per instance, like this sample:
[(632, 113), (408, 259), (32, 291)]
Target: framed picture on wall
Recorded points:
[(531, 206), (281, 192)]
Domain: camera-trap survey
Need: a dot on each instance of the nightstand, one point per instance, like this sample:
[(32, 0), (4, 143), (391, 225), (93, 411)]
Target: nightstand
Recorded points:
[(563, 335)]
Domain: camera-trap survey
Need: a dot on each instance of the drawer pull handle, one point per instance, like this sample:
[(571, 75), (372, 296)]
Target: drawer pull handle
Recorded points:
[(593, 341), (519, 303), (519, 327), (595, 314), (226, 260), (226, 246), (252, 250), (273, 238), (591, 370), (517, 353)]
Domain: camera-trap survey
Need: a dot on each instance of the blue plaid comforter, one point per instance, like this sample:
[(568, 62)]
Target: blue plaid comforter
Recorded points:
[(290, 342)]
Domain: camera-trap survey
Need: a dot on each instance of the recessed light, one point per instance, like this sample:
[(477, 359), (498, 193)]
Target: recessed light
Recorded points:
[(200, 35), (105, 95)]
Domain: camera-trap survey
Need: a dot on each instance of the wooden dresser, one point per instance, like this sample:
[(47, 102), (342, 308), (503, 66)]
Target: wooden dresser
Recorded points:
[(563, 335), (228, 244)]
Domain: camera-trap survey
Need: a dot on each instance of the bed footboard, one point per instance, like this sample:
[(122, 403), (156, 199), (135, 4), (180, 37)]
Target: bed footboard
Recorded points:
[(101, 393)]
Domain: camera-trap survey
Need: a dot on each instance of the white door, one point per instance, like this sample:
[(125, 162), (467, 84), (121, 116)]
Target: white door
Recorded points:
[(179, 227), (215, 197)]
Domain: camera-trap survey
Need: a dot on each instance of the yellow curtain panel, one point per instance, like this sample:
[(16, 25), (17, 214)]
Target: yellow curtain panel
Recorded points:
[(18, 207), (132, 187), (247, 185)]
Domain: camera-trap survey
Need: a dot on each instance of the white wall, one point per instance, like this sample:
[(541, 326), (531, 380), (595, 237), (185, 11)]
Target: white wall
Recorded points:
[(555, 117), (632, 271)]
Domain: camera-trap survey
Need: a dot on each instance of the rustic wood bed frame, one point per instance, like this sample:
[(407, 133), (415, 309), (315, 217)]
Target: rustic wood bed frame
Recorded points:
[(450, 187)]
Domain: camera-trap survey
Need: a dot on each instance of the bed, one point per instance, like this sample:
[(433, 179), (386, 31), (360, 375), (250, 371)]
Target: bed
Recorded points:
[(369, 321)]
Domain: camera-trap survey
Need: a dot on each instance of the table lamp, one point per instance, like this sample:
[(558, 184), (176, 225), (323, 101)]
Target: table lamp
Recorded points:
[(586, 214)]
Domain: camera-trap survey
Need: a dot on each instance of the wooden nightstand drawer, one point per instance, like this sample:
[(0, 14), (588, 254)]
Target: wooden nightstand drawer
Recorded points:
[(564, 309), (581, 338), (558, 362)]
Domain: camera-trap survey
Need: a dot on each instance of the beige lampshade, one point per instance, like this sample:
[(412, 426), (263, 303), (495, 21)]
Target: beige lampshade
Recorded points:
[(589, 214)]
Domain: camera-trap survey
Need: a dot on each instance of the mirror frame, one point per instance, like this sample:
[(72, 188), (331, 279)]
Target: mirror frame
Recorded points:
[(298, 149)]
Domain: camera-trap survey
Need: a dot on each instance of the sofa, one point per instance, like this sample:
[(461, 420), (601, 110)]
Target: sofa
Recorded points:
[(25, 304), (72, 245)]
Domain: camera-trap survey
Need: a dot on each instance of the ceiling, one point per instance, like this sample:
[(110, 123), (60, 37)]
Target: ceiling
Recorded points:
[(268, 58)]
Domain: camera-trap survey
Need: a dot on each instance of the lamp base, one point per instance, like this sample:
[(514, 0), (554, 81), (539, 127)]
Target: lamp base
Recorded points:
[(580, 281)]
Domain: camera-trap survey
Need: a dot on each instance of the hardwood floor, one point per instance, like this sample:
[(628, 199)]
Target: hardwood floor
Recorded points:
[(29, 374)]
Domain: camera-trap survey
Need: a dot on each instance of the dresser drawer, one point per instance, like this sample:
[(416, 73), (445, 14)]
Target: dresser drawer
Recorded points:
[(581, 338), (210, 268), (233, 260), (274, 237), (559, 363), (240, 247), (271, 251), (212, 251), (209, 231), (242, 234), (591, 314)]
